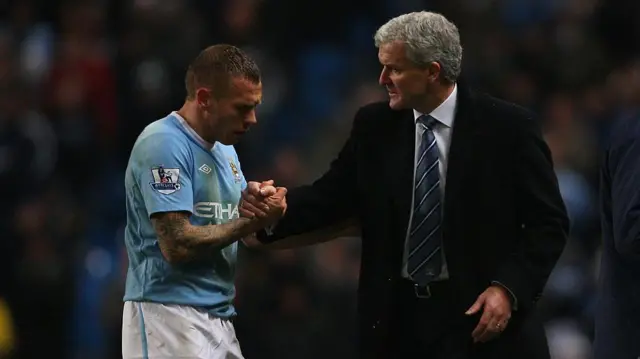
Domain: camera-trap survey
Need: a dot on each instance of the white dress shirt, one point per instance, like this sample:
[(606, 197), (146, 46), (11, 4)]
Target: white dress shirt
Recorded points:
[(444, 115)]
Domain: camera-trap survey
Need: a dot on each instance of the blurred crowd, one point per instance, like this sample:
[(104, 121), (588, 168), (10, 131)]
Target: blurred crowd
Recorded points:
[(80, 79)]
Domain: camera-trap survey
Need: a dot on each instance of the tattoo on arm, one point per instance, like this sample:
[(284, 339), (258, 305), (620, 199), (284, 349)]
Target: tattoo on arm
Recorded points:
[(181, 242)]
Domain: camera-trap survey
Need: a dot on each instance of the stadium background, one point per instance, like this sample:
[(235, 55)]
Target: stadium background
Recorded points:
[(80, 79)]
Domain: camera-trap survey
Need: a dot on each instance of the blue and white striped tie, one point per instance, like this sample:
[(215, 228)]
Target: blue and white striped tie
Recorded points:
[(425, 238)]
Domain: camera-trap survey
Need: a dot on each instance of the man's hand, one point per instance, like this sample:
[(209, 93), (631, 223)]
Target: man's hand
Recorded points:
[(263, 201), (253, 199), (495, 317)]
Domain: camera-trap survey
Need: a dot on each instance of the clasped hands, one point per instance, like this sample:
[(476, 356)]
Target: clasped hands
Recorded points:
[(263, 202)]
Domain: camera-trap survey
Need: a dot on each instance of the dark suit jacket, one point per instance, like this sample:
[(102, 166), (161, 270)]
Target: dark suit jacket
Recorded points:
[(504, 219), (618, 308)]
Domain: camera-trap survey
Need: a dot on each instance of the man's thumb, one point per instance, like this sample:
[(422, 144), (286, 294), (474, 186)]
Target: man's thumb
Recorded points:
[(476, 306), (253, 187), (281, 192), (267, 191), (266, 183)]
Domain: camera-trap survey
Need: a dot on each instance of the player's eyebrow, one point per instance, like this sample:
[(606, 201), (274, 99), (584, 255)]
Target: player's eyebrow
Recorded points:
[(248, 106)]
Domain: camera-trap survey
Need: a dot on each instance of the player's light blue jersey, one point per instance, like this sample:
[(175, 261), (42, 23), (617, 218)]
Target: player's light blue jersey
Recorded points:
[(171, 168)]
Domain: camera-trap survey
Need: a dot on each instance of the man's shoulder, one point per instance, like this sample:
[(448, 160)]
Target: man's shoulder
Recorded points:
[(379, 109), (378, 116), (488, 104), (500, 115)]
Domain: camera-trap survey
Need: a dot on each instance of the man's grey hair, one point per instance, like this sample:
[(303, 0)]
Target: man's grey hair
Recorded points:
[(428, 37)]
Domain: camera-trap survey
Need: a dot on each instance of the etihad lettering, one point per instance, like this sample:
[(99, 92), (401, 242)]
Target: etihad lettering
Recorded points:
[(216, 210)]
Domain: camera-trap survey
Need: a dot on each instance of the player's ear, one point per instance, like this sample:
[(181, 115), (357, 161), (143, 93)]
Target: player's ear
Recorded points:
[(203, 97)]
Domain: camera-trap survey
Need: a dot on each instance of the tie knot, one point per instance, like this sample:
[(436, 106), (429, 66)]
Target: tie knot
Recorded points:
[(427, 121)]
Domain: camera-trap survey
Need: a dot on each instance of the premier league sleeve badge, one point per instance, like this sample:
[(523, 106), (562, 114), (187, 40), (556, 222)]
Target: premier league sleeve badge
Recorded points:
[(165, 180)]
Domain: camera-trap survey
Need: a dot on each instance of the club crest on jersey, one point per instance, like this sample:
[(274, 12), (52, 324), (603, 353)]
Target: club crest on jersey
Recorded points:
[(234, 170), (165, 180)]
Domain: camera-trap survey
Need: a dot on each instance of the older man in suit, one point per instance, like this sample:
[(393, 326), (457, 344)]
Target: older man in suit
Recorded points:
[(455, 193)]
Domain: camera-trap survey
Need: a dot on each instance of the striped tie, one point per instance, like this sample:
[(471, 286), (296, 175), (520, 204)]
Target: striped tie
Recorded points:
[(425, 238)]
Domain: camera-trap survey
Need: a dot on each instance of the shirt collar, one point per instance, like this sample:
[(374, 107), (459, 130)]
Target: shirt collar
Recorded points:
[(446, 111), (191, 132)]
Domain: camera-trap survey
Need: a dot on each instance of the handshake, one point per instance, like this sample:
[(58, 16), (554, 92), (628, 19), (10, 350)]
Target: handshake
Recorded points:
[(263, 202)]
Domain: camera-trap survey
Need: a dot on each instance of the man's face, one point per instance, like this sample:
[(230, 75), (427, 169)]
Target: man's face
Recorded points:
[(233, 113), (406, 83)]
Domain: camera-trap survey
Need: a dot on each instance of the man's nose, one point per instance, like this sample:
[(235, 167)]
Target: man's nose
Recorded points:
[(384, 78)]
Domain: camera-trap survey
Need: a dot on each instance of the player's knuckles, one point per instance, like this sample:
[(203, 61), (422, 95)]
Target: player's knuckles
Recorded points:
[(253, 187), (269, 191), (246, 214), (251, 208), (253, 184), (251, 199), (248, 197), (246, 207)]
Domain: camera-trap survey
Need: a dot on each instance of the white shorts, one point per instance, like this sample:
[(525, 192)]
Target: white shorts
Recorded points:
[(159, 331)]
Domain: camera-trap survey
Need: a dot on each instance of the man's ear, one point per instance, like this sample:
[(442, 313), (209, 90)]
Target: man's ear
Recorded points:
[(435, 70), (204, 97)]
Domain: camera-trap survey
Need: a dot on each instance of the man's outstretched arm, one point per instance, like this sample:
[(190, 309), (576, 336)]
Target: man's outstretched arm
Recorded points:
[(348, 228)]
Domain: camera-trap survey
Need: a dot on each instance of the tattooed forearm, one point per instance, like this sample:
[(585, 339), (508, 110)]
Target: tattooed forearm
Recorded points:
[(181, 242)]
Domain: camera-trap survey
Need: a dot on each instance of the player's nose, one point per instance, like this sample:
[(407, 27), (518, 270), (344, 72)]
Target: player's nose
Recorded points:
[(251, 119)]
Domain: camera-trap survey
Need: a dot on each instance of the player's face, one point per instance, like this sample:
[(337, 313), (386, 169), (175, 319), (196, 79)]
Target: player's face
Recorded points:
[(235, 113), (407, 84)]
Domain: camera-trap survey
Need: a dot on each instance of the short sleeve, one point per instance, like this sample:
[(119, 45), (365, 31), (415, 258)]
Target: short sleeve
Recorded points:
[(163, 172)]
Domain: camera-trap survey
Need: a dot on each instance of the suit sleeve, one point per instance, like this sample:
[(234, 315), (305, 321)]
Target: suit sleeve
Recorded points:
[(625, 197), (163, 174), (329, 200), (542, 214)]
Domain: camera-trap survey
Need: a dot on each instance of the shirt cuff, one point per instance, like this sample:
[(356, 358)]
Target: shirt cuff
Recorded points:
[(514, 300), (269, 230), (264, 235)]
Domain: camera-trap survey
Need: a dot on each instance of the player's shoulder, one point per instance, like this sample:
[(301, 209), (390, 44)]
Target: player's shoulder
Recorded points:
[(161, 132)]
